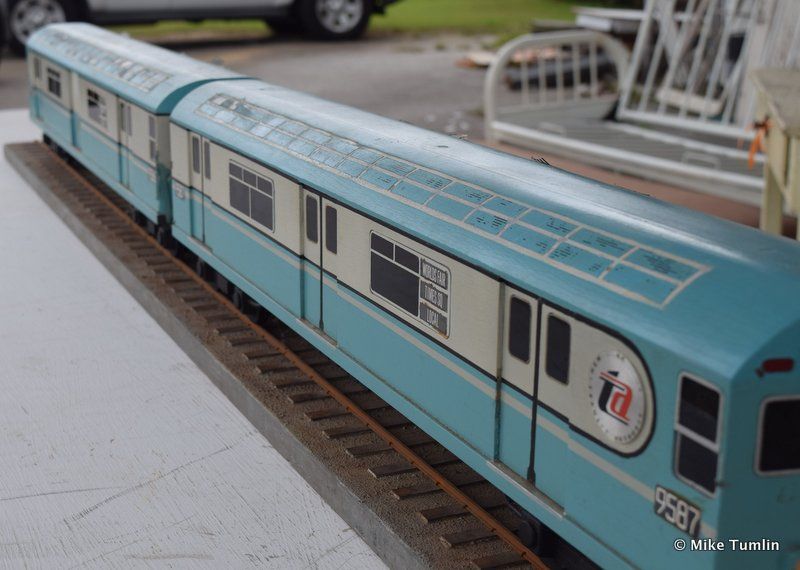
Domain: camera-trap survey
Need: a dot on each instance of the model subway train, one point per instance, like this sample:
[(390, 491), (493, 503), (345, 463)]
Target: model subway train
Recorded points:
[(622, 369)]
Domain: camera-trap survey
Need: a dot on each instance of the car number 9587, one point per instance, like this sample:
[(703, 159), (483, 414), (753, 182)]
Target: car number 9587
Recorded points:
[(676, 511)]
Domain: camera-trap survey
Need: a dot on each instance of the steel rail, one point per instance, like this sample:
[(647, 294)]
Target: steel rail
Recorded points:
[(489, 521)]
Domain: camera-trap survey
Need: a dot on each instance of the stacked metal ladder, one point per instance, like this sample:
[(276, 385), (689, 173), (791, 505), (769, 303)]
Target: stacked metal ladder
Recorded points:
[(678, 109)]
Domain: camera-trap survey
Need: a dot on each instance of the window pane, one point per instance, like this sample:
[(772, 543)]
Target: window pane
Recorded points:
[(406, 259), (261, 208), (394, 283), (312, 222), (196, 155), (699, 408), (331, 230), (235, 171), (519, 329), (96, 106), (249, 177), (54, 82), (382, 246), (153, 150), (151, 126), (240, 196), (696, 463), (207, 159), (780, 436), (558, 349), (265, 186)]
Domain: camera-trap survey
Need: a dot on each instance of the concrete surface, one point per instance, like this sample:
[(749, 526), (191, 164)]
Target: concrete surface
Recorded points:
[(117, 450)]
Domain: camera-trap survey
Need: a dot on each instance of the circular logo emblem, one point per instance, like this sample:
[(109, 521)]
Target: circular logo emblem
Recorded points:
[(618, 397)]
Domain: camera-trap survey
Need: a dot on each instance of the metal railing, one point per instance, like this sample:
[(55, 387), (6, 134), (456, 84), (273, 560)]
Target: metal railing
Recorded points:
[(554, 69)]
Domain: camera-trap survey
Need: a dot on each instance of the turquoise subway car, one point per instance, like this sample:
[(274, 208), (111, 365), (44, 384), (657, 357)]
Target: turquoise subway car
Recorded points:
[(623, 370), (105, 99)]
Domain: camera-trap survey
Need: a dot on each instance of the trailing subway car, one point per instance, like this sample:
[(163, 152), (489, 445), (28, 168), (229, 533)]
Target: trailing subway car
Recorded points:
[(622, 369), (106, 99)]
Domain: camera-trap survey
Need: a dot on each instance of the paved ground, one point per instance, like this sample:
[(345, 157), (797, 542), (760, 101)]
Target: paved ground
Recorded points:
[(117, 450), (410, 79)]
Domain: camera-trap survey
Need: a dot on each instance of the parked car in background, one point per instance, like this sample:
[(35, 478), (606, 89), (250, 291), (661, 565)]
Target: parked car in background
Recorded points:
[(3, 27), (325, 19)]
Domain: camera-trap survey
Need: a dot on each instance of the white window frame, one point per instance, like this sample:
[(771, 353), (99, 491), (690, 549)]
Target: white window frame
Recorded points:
[(697, 438)]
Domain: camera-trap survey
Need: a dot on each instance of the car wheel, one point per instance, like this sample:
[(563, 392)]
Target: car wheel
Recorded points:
[(27, 16), (335, 19), (287, 26)]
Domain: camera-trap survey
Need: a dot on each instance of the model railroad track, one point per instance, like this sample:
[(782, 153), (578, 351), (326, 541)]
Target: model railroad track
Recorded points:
[(471, 518)]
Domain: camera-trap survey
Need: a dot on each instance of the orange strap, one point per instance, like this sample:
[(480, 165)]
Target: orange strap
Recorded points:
[(761, 128)]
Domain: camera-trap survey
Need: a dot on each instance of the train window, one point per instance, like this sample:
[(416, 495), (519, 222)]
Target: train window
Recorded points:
[(417, 285), (151, 131), (407, 259), (122, 123), (252, 195), (779, 443), (559, 336), (519, 329), (54, 82), (196, 155), (125, 118), (696, 463), (382, 246), (207, 159), (37, 68), (96, 105), (697, 433), (240, 197), (698, 409), (331, 230), (394, 283), (312, 221), (261, 208)]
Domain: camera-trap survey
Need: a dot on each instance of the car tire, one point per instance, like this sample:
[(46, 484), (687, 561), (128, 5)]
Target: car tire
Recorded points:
[(335, 19), (285, 26), (27, 16)]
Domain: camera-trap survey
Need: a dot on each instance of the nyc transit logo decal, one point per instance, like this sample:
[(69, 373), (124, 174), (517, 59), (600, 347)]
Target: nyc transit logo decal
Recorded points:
[(618, 397)]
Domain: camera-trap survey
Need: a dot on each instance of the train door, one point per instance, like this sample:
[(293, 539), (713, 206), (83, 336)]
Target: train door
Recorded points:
[(517, 422), (311, 271), (329, 252), (125, 143), (200, 169), (553, 389)]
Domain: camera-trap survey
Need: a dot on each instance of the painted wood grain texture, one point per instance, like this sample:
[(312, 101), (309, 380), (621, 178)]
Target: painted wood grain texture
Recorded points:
[(115, 449)]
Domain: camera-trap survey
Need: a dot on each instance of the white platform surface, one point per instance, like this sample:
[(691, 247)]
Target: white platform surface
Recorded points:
[(115, 449)]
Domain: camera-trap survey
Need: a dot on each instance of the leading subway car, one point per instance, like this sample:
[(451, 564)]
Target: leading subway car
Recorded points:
[(622, 369)]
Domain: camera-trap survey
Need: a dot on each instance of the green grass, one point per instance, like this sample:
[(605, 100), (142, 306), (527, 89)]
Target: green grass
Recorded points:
[(473, 16), (169, 27), (505, 17)]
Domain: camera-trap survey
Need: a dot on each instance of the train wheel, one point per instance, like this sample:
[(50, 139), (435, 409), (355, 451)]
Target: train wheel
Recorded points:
[(201, 268), (165, 239), (246, 305), (536, 536)]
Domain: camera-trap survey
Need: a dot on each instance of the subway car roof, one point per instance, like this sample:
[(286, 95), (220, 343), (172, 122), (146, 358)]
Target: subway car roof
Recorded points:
[(712, 290), (149, 76)]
